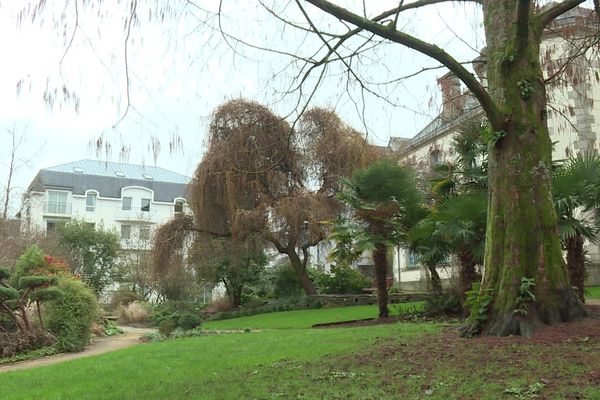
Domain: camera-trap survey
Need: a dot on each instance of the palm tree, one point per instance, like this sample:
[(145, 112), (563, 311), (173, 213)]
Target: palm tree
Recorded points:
[(576, 191), (385, 199)]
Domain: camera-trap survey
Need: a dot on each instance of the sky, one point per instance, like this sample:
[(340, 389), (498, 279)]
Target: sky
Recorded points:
[(182, 67)]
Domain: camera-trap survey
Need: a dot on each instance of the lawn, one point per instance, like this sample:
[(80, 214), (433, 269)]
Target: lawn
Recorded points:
[(301, 319), (593, 292), (404, 360)]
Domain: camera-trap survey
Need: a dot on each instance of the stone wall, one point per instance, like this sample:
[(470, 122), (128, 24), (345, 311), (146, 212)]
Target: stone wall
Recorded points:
[(339, 300)]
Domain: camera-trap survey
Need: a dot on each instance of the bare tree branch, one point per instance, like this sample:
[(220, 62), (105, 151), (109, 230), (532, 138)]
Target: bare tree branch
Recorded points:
[(550, 14), (126, 59), (416, 44)]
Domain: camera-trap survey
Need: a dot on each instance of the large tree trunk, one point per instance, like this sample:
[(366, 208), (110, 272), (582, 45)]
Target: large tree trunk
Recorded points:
[(467, 274), (381, 266), (576, 265), (436, 281), (522, 235), (307, 284)]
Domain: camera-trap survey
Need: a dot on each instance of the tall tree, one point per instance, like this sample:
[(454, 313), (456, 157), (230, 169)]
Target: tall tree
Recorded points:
[(261, 176), (520, 149)]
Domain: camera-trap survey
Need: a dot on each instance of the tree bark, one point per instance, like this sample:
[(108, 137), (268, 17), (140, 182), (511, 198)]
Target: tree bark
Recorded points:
[(436, 281), (381, 266), (307, 284), (522, 235), (576, 265)]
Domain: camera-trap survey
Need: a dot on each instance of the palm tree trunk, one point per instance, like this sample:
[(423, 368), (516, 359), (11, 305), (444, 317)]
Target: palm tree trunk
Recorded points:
[(381, 267), (436, 281), (467, 273), (576, 265)]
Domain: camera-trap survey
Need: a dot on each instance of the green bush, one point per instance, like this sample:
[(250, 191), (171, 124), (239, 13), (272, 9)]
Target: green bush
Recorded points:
[(341, 280), (446, 304), (70, 317), (286, 282), (166, 327), (188, 321)]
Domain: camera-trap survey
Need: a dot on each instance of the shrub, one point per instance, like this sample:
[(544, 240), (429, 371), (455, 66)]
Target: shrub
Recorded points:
[(342, 280), (124, 296), (446, 304), (220, 304), (132, 313), (166, 327), (71, 316), (286, 282), (12, 344), (188, 321)]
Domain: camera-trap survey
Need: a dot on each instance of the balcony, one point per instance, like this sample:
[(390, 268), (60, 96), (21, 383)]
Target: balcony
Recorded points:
[(136, 216), (57, 208)]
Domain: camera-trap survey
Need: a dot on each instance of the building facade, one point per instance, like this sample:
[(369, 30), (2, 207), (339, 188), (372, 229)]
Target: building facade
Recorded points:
[(573, 121), (131, 200)]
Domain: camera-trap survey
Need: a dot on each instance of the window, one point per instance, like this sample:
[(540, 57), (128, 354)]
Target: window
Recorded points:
[(147, 176), (413, 260), (50, 226), (145, 205), (119, 174), (125, 232), (53, 226), (57, 202), (91, 225), (126, 203), (144, 233), (178, 206), (90, 202)]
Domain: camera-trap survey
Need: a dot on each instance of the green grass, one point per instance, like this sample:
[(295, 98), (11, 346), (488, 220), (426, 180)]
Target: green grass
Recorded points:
[(287, 361), (229, 366), (593, 292), (301, 319)]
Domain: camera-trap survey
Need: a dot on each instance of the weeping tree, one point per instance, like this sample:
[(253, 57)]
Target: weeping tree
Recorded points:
[(386, 202), (261, 177), (576, 184)]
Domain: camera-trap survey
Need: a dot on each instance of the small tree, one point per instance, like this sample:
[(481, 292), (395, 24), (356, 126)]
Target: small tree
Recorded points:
[(92, 252), (576, 191), (33, 282), (384, 197)]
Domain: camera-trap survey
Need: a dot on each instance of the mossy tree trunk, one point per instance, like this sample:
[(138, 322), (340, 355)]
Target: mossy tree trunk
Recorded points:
[(381, 267), (522, 237), (576, 265)]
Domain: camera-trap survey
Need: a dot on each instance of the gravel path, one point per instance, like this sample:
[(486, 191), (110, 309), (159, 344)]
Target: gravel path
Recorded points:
[(98, 346)]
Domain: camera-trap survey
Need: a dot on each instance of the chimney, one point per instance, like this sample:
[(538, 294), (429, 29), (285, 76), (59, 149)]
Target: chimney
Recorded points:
[(452, 97)]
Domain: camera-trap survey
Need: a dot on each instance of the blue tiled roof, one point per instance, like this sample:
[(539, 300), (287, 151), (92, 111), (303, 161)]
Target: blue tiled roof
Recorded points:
[(108, 178), (131, 171)]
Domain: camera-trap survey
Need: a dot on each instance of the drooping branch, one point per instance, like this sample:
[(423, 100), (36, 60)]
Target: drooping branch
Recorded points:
[(421, 46), (550, 14)]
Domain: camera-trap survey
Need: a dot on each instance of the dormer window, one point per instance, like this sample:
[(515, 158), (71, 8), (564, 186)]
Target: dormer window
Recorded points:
[(90, 202), (119, 173), (149, 177), (178, 207), (78, 170), (145, 205)]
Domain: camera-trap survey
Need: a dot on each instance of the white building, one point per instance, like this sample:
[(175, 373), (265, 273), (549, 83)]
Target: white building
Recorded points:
[(131, 200), (573, 121)]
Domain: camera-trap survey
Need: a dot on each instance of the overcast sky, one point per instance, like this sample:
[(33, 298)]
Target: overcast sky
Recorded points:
[(181, 69)]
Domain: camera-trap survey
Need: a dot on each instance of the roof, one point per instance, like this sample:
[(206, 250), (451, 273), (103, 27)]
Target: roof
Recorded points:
[(131, 171), (108, 178)]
